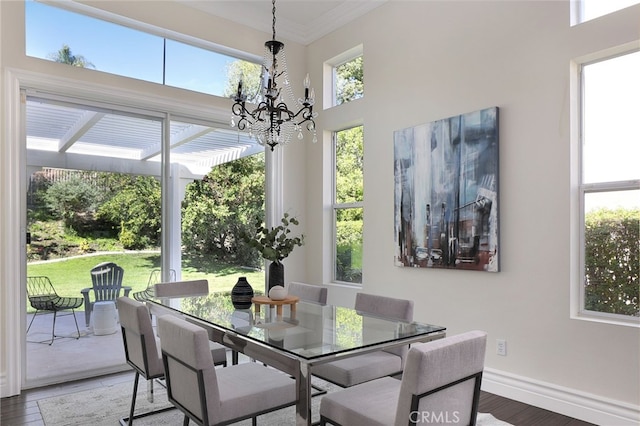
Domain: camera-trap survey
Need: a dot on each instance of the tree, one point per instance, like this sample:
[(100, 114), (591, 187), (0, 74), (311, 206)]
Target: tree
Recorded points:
[(65, 56), (67, 199), (219, 209), (250, 74), (136, 210), (350, 81), (349, 189)]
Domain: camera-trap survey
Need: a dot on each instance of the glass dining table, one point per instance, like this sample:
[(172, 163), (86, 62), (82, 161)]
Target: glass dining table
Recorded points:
[(299, 339)]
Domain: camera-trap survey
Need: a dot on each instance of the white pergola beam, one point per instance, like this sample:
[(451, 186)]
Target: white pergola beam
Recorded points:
[(82, 126)]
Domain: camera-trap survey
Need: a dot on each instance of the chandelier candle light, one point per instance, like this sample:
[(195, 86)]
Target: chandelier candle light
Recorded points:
[(272, 122)]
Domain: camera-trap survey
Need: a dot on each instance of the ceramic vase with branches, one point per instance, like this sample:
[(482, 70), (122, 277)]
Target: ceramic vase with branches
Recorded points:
[(274, 245)]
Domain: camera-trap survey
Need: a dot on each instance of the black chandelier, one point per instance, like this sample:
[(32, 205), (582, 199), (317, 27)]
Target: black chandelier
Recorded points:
[(272, 122)]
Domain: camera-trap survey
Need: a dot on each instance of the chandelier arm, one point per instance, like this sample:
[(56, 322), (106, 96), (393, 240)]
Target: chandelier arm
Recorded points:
[(306, 114)]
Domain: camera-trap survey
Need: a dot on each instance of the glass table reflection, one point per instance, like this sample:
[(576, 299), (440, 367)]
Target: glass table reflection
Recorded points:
[(297, 340)]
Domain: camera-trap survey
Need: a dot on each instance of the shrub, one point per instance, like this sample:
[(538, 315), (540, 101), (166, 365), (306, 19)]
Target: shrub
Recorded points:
[(612, 262)]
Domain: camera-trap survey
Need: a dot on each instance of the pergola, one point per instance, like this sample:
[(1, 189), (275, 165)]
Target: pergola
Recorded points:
[(62, 134)]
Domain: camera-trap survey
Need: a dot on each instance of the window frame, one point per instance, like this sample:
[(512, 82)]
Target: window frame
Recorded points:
[(583, 189), (335, 206)]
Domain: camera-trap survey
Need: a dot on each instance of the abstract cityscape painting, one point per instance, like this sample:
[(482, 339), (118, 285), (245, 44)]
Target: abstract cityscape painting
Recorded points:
[(446, 193)]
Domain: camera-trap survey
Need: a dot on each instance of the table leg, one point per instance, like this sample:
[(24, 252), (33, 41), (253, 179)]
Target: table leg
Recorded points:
[(257, 308), (150, 391), (303, 408), (279, 310)]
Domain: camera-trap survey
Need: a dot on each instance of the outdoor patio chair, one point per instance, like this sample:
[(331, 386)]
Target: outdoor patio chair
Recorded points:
[(441, 385), (106, 281), (154, 278), (373, 365), (216, 397), (43, 298)]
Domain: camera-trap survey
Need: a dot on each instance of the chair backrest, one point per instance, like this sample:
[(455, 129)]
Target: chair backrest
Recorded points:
[(107, 281), (40, 286), (192, 384), (386, 307), (182, 288), (441, 380), (155, 277), (308, 292), (140, 345)]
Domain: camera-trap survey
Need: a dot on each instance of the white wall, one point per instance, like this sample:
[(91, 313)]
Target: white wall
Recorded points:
[(430, 60)]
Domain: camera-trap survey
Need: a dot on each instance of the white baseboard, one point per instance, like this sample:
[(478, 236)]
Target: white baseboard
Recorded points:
[(569, 402)]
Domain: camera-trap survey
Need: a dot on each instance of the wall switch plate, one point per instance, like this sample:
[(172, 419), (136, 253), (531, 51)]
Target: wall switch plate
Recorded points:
[(501, 347)]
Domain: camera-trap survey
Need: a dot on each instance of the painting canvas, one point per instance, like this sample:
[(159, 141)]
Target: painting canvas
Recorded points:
[(446, 193)]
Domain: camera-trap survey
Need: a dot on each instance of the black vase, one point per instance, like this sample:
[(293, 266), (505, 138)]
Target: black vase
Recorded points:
[(241, 294), (276, 275)]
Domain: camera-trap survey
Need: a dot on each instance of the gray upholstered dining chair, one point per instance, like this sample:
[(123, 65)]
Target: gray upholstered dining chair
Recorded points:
[(441, 384), (312, 294), (308, 292), (354, 370), (142, 349), (188, 288), (215, 397), (181, 288)]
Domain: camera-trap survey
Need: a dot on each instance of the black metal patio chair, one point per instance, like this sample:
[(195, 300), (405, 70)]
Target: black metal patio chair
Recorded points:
[(154, 278), (43, 298)]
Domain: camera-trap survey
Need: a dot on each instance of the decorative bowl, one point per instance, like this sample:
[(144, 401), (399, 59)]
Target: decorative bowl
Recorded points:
[(277, 293)]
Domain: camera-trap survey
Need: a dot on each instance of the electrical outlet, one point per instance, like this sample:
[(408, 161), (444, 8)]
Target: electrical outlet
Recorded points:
[(501, 347)]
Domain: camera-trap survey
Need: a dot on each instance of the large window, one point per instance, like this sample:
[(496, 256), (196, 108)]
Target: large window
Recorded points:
[(348, 204), (76, 39), (610, 187)]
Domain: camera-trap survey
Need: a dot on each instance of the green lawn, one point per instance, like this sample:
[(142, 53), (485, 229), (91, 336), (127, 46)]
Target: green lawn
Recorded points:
[(69, 276)]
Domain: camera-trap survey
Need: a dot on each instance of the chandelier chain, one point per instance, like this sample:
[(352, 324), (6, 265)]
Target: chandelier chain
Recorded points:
[(273, 11)]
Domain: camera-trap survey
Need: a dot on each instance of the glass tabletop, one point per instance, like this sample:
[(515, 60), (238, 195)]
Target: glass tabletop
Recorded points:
[(308, 330)]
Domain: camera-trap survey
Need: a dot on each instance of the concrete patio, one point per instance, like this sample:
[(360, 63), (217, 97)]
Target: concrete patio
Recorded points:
[(69, 358)]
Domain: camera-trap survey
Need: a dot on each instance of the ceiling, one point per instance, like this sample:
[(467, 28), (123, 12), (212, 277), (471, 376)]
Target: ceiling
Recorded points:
[(301, 21)]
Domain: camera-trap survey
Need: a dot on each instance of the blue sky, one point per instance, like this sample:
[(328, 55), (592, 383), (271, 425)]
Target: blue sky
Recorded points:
[(121, 50)]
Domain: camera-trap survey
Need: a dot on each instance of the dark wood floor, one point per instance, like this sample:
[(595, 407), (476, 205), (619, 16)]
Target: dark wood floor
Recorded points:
[(23, 409)]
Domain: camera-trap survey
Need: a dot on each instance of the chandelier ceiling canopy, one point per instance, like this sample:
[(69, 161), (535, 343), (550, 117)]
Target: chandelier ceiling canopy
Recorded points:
[(272, 122)]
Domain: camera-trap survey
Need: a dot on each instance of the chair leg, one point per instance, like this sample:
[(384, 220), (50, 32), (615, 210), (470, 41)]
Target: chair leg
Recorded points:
[(87, 314), (73, 312), (53, 328), (185, 422), (31, 322), (133, 397), (254, 421), (129, 420)]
